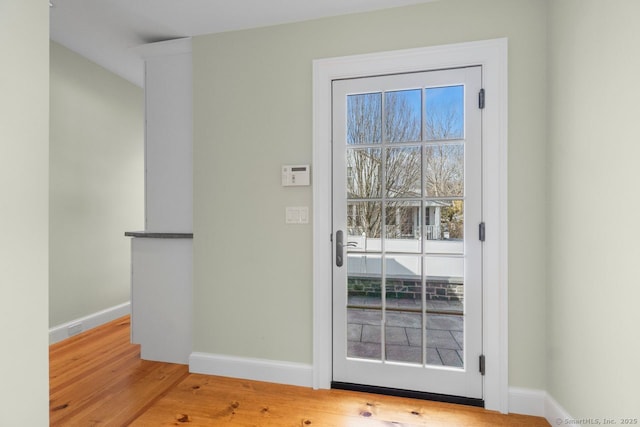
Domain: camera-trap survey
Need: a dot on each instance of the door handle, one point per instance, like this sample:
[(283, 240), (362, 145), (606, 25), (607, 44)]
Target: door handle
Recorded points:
[(339, 248)]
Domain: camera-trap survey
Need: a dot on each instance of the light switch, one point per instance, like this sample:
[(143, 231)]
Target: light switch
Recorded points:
[(297, 215), (304, 215), (292, 215)]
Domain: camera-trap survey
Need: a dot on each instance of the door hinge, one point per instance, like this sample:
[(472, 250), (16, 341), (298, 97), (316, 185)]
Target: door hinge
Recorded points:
[(481, 232), (481, 99), (482, 364)]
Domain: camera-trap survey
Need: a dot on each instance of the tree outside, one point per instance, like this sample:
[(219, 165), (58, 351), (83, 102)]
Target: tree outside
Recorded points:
[(398, 163)]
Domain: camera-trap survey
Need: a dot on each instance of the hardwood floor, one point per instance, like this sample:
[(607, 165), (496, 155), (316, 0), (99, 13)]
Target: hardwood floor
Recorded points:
[(98, 379)]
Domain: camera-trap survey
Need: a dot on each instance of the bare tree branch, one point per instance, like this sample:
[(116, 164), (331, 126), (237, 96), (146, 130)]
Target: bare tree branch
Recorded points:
[(443, 162)]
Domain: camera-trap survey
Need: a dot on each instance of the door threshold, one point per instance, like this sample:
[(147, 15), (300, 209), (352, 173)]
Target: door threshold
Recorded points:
[(459, 400)]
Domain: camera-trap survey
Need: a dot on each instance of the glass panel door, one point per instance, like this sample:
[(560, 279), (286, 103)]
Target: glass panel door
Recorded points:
[(407, 190)]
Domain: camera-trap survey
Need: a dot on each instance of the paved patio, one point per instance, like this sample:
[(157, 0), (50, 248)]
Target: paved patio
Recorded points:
[(403, 337)]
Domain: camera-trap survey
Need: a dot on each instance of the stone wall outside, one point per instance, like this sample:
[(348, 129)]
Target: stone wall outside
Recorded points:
[(440, 289)]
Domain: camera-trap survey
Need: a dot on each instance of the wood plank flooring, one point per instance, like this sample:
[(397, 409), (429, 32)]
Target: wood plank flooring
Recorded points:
[(98, 379)]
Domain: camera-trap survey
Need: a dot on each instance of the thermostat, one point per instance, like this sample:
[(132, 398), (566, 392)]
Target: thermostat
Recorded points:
[(295, 175)]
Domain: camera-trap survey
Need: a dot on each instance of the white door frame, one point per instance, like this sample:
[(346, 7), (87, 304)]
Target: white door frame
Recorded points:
[(492, 56)]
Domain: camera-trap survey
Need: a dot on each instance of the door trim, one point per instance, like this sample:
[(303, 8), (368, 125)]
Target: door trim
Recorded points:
[(492, 56)]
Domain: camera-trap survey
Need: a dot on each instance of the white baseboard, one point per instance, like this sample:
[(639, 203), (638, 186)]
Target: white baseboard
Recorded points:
[(521, 400), (74, 327), (527, 401), (556, 414), (252, 369), (538, 403)]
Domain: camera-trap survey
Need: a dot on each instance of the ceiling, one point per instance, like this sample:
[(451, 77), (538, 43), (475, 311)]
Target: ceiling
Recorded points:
[(105, 31)]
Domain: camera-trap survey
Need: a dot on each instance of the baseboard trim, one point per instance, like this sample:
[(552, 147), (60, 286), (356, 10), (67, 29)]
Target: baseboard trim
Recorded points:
[(556, 414), (527, 401), (538, 403), (74, 327), (523, 401), (273, 371)]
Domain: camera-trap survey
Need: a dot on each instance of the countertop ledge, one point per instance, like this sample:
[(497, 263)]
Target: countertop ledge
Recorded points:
[(158, 235)]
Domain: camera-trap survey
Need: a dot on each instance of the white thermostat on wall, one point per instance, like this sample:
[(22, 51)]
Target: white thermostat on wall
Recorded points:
[(295, 175)]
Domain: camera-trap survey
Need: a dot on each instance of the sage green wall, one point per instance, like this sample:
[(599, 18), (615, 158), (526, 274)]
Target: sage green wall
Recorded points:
[(253, 113), (593, 255), (24, 120), (96, 184)]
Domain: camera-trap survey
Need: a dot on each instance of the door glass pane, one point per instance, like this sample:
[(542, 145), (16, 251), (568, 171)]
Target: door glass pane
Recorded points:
[(364, 306), (444, 170), (364, 118), (445, 316), (364, 225), (364, 168), (403, 308), (452, 220), (444, 220), (403, 116), (402, 226), (444, 108), (403, 171)]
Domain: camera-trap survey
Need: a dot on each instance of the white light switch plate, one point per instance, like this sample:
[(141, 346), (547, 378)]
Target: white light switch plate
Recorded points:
[(297, 215)]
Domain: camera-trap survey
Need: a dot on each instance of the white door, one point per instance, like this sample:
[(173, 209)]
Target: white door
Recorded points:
[(407, 209)]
